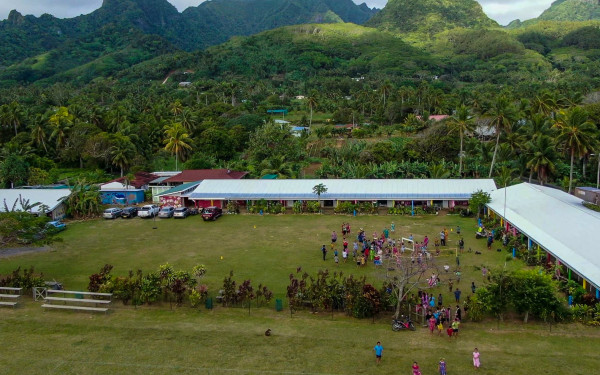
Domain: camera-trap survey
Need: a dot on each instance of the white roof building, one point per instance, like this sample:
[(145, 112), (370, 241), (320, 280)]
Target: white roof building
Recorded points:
[(52, 199), (555, 220), (338, 189)]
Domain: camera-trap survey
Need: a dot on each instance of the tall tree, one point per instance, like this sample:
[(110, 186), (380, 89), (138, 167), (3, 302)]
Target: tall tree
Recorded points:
[(60, 122), (177, 141), (540, 158), (462, 122), (312, 103), (576, 134), (502, 114), (122, 152)]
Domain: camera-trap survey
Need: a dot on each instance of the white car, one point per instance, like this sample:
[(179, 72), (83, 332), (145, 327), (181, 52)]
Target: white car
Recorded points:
[(166, 212), (112, 213), (149, 210)]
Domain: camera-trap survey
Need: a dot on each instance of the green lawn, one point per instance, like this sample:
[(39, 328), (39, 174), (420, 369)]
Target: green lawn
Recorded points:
[(159, 340)]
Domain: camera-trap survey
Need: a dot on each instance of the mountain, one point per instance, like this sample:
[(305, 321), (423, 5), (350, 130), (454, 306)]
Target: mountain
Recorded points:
[(430, 16), (564, 10), (572, 10), (124, 32)]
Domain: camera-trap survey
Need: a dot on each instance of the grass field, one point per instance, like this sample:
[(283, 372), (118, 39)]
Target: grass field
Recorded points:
[(159, 340)]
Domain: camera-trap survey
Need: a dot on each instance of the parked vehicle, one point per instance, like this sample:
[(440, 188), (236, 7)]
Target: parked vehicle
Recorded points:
[(149, 210), (211, 213), (112, 213), (166, 212), (181, 212), (193, 211), (129, 212), (56, 225), (403, 323)]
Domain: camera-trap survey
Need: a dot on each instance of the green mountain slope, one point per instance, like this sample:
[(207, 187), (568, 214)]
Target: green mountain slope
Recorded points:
[(564, 10), (430, 16), (572, 10)]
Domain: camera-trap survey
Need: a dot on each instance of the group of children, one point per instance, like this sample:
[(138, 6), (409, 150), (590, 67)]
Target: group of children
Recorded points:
[(364, 250), (442, 366)]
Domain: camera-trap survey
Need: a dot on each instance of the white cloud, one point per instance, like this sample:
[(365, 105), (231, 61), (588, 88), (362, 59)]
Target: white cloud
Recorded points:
[(502, 11)]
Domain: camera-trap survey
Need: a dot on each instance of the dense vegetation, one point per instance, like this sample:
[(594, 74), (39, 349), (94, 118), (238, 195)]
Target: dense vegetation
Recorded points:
[(519, 101)]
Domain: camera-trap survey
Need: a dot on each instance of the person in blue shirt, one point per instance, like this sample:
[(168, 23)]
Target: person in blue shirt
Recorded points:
[(378, 352)]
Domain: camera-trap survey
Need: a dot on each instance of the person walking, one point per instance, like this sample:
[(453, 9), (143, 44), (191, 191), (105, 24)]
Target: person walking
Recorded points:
[(473, 287), (333, 237), (324, 250), (455, 326), (415, 368), (378, 352), (443, 238), (476, 362), (439, 302)]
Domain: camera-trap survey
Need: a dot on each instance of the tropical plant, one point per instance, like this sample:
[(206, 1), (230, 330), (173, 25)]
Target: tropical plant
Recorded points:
[(318, 190), (576, 135), (462, 122), (502, 113), (177, 141)]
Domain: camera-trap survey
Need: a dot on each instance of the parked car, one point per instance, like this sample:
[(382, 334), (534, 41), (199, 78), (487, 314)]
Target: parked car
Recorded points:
[(181, 212), (193, 211), (129, 212), (56, 225), (149, 210), (166, 212), (211, 213), (112, 213)]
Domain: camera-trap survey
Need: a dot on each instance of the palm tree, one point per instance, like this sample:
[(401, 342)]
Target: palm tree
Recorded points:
[(176, 107), (177, 141), (541, 158), (12, 114), (505, 176), (318, 190), (576, 134), (277, 165), (122, 152), (385, 90), (38, 132), (439, 171), (312, 103), (502, 114), (462, 122), (60, 122)]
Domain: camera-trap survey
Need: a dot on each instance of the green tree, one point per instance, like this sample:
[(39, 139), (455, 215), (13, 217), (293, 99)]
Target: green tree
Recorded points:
[(462, 122), (478, 200), (177, 141), (312, 103), (576, 135), (533, 292), (60, 123), (540, 158), (14, 171), (502, 114), (12, 114), (122, 152), (318, 190)]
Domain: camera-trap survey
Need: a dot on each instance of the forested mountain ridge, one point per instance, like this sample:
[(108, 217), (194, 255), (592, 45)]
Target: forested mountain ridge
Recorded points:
[(565, 10), (430, 16), (210, 23)]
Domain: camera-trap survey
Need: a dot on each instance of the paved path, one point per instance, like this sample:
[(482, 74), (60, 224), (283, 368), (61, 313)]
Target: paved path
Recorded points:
[(16, 251)]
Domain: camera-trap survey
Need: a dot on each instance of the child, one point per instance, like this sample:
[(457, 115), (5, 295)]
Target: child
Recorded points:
[(336, 259), (476, 363), (415, 368), (440, 328), (345, 255), (442, 365)]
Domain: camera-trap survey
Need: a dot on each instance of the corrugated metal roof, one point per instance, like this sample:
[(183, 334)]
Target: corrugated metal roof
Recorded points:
[(180, 188), (557, 221), (48, 197), (159, 180), (356, 189)]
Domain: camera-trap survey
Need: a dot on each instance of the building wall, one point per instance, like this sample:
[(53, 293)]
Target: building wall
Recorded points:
[(122, 197), (588, 196), (59, 212), (170, 200)]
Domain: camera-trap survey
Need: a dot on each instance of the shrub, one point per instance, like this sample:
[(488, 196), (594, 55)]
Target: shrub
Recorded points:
[(233, 207), (28, 280)]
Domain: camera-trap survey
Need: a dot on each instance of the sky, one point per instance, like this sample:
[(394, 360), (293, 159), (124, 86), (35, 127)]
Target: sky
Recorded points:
[(502, 11)]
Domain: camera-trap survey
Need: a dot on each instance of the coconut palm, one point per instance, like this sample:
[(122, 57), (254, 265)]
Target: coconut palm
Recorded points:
[(505, 176), (38, 132), (439, 171), (541, 156), (312, 103), (12, 114), (462, 122), (60, 122), (122, 152), (177, 141), (502, 114), (576, 134)]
